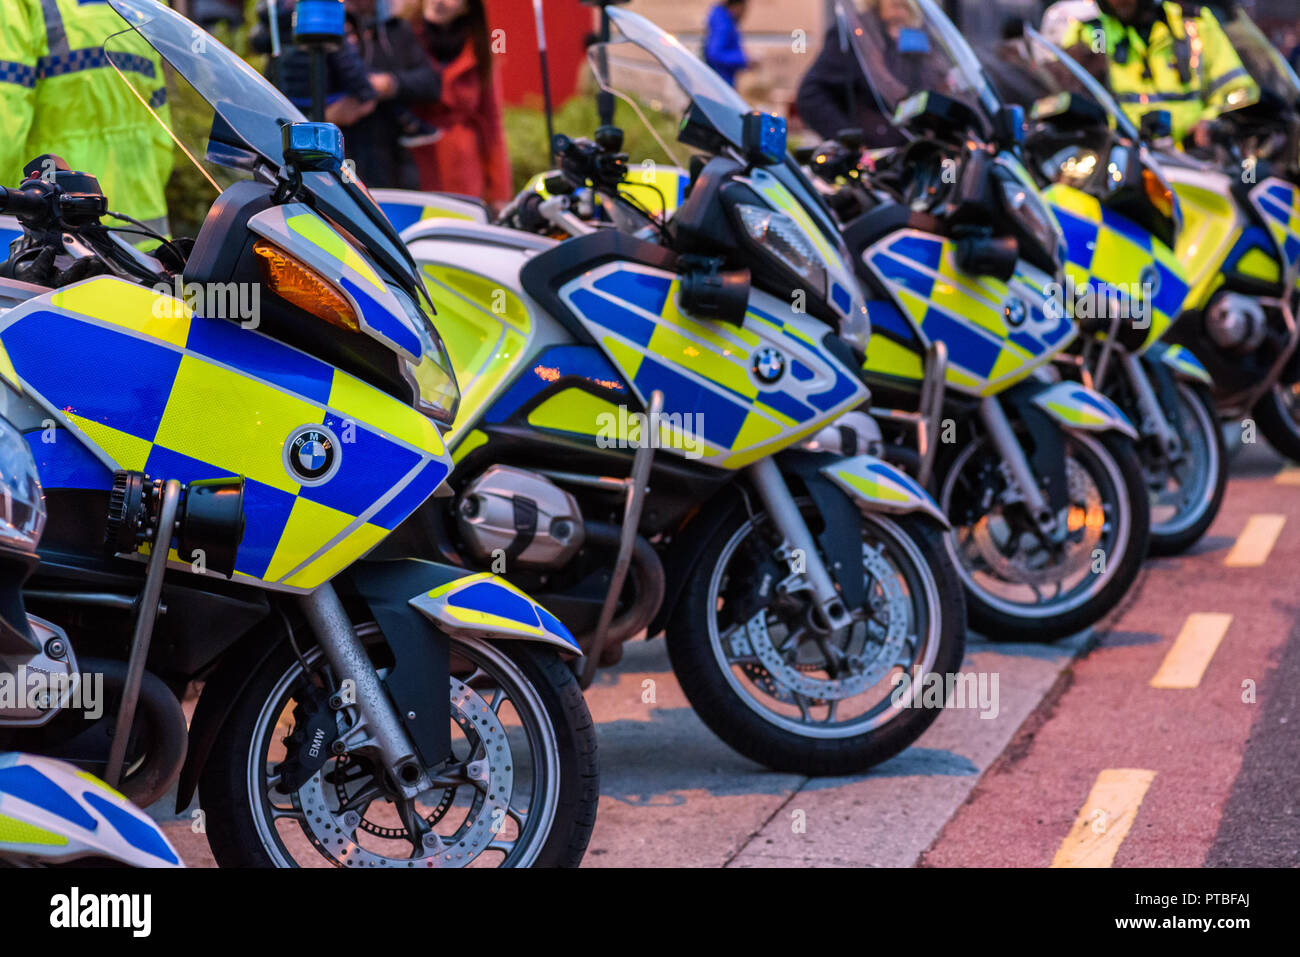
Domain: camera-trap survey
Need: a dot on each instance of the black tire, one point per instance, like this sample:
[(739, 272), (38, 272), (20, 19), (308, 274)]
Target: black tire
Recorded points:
[(1001, 624), (1206, 421), (1273, 415), (741, 726), (224, 789)]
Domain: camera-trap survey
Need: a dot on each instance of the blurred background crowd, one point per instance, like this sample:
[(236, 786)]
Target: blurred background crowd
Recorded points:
[(446, 95)]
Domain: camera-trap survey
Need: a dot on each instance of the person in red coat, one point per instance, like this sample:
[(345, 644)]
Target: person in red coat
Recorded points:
[(470, 157)]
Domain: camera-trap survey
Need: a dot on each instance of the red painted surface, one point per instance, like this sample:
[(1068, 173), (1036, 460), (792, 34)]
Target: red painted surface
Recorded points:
[(567, 22)]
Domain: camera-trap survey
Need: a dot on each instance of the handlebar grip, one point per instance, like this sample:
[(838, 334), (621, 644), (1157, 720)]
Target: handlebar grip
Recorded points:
[(17, 202)]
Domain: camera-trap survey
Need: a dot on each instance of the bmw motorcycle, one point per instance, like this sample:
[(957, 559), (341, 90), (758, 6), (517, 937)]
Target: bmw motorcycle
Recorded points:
[(658, 433), (1124, 284), (51, 812), (227, 494), (1238, 237), (962, 264)]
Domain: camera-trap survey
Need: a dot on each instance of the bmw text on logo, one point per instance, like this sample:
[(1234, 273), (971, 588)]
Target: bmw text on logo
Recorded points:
[(312, 454), (769, 365)]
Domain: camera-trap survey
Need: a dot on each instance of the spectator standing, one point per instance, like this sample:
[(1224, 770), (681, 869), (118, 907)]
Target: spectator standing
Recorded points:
[(824, 98), (722, 48), (470, 158), (379, 139)]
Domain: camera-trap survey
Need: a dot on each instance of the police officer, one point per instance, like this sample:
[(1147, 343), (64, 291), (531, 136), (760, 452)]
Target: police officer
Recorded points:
[(59, 94), (1162, 57)]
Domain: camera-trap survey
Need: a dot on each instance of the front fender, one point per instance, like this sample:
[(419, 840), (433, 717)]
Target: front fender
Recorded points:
[(481, 605), (1181, 361), (1077, 407), (879, 487)]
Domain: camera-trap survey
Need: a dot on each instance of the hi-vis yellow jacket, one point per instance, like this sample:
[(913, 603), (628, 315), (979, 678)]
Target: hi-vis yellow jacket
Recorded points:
[(1187, 66), (60, 94)]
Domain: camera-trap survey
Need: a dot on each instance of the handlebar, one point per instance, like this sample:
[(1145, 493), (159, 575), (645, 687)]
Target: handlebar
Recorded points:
[(29, 203)]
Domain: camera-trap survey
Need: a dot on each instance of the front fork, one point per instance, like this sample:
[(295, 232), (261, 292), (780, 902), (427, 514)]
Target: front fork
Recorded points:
[(1154, 421), (347, 656), (1051, 526), (789, 521)]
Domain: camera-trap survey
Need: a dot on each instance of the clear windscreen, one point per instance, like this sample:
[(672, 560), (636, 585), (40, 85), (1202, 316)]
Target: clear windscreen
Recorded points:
[(1268, 67), (904, 47), (680, 104), (1030, 68)]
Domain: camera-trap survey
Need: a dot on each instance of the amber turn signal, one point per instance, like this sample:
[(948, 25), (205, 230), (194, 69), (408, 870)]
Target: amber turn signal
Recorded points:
[(304, 287)]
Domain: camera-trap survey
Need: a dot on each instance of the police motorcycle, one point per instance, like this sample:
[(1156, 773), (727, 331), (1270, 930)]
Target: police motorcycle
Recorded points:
[(228, 494), (51, 812), (1124, 284), (1240, 243), (962, 264), (658, 432)]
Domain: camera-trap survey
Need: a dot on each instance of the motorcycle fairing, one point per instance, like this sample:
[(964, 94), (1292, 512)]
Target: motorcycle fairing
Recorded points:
[(659, 189), (406, 208), (487, 330), (1213, 224), (1106, 252), (1183, 363), (147, 386), (10, 229), (881, 487), (53, 811), (297, 230), (1078, 407), (714, 398), (481, 605), (841, 286), (1278, 202), (997, 333)]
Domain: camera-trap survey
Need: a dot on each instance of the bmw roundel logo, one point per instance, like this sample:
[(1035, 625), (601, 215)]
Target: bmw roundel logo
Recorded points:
[(769, 365), (1016, 312), (1150, 282), (312, 454)]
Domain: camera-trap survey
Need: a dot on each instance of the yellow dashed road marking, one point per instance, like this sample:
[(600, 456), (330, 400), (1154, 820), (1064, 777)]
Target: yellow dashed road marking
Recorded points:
[(1192, 650), (1105, 818), (1256, 541), (1288, 475)]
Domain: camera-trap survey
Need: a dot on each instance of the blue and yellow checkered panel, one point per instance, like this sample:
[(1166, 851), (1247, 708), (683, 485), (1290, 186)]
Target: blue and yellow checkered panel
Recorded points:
[(1279, 202), (996, 333), (705, 369), (191, 398), (482, 603)]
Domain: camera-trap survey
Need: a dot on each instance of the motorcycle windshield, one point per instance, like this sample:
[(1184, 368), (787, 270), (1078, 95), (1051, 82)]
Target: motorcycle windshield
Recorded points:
[(1031, 68), (1268, 67), (225, 116), (253, 109), (676, 96), (214, 105), (905, 47)]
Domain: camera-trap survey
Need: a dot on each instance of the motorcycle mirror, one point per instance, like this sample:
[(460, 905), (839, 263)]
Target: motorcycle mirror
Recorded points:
[(1156, 125), (853, 138)]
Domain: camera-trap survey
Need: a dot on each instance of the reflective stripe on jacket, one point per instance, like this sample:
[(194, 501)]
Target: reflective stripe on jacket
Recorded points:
[(59, 93), (1186, 65)]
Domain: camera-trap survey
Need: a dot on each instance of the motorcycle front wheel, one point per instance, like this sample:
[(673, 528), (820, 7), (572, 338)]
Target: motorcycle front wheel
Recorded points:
[(1020, 587), (1278, 417), (1186, 494), (793, 696), (519, 791)]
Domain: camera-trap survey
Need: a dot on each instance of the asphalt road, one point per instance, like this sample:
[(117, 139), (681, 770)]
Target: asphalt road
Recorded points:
[(1166, 737)]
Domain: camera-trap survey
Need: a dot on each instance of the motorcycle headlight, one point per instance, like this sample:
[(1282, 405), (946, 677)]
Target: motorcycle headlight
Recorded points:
[(437, 394), (1023, 204), (22, 500), (782, 237)]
